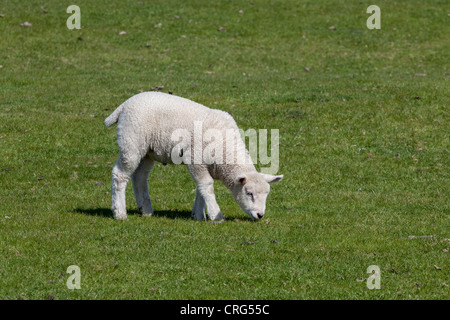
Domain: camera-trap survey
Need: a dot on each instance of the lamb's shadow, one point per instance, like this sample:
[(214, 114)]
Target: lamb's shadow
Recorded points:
[(107, 213)]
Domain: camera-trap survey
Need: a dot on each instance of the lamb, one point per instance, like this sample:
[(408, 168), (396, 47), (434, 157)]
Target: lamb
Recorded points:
[(154, 126)]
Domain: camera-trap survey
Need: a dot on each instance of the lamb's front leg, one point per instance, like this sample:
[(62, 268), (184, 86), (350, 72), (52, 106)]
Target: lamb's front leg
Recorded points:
[(198, 211), (205, 190)]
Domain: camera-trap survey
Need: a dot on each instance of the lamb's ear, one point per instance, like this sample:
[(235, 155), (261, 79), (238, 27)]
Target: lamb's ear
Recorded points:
[(241, 179), (272, 179)]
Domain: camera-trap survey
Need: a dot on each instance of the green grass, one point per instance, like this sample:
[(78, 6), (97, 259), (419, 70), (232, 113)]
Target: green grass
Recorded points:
[(364, 149)]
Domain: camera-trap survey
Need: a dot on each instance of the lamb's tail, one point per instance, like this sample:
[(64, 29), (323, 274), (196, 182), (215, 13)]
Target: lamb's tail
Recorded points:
[(113, 116)]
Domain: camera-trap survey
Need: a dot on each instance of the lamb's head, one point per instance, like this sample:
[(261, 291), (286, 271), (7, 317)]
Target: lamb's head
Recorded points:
[(251, 190)]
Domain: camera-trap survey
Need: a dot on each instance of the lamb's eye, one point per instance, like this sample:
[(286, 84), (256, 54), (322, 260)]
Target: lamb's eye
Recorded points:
[(250, 194)]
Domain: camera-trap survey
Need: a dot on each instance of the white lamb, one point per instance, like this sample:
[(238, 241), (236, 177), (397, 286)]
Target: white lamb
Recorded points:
[(147, 129)]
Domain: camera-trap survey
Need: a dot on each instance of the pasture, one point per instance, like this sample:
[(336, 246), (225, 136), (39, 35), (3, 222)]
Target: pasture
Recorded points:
[(364, 149)]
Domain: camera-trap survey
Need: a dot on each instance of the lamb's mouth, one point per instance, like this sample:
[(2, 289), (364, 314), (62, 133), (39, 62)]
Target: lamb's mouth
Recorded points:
[(255, 215)]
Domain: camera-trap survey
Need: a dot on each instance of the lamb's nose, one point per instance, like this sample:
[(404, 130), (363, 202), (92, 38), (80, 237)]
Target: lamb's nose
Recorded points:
[(260, 215)]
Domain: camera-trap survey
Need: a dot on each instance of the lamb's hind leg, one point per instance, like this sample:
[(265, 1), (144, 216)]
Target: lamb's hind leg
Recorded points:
[(120, 177), (140, 186), (121, 173)]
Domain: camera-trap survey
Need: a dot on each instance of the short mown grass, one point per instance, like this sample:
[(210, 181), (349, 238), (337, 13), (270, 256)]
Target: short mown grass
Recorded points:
[(364, 148)]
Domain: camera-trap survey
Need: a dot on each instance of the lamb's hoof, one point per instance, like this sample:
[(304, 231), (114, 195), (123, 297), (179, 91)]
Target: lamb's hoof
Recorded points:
[(198, 216), (146, 214), (120, 217), (219, 218)]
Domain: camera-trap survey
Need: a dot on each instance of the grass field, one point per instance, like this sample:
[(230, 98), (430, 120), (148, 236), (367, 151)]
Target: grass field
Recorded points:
[(364, 149)]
